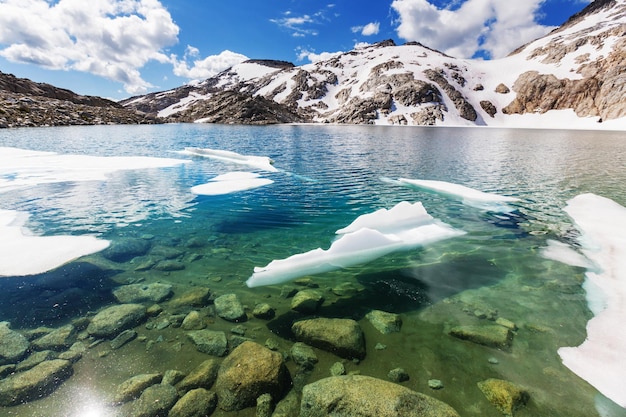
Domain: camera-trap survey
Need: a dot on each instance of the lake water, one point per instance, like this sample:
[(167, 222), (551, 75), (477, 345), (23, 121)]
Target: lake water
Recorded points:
[(327, 176)]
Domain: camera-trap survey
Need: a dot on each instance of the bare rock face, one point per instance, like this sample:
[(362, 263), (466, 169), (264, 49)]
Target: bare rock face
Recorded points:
[(248, 372), (466, 110), (364, 396)]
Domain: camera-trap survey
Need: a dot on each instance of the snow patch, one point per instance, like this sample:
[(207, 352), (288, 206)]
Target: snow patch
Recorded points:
[(230, 183), (600, 359), (260, 162)]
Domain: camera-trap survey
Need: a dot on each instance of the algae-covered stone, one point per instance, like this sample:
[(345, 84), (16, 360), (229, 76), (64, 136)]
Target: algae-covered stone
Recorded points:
[(263, 311), (384, 322), (203, 376), (142, 293), (303, 355), (13, 345), (307, 301), (155, 401), (211, 342), (197, 297), (398, 375), (342, 337), (264, 405), (123, 338), (489, 335), (193, 321), (133, 387), (504, 395), (196, 403), (34, 383), (35, 359), (58, 339), (230, 308), (248, 372), (113, 320), (364, 396)]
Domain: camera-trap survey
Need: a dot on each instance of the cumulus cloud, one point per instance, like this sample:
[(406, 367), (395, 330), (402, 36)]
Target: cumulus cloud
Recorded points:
[(305, 24), (109, 38), (368, 30), (201, 69), (491, 27), (313, 57)]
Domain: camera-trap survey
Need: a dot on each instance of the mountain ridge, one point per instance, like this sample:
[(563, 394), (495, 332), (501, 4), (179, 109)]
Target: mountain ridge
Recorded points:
[(575, 69)]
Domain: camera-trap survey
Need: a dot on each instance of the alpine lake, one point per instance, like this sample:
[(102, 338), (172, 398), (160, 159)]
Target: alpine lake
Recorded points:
[(326, 177)]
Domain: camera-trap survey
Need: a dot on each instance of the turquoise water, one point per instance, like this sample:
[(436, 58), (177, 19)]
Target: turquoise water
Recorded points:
[(328, 176)]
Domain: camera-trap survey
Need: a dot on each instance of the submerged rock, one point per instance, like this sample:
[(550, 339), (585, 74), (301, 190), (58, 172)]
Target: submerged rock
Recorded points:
[(364, 396), (13, 345), (307, 301), (133, 387), (123, 250), (123, 338), (384, 322), (264, 311), (58, 339), (142, 293), (197, 297), (35, 359), (196, 403), (504, 395), (155, 401), (202, 376), (303, 355), (490, 335), (113, 320), (230, 308), (211, 342), (193, 321), (34, 383), (342, 337), (248, 372)]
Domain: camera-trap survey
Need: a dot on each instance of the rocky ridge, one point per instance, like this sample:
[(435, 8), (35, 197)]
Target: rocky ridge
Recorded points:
[(578, 67), (25, 103)]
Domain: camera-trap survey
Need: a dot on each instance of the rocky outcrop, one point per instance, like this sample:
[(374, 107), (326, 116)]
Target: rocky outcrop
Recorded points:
[(233, 107), (466, 110), (25, 103), (357, 395)]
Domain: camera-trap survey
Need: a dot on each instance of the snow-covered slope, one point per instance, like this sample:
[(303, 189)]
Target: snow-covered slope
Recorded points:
[(575, 77)]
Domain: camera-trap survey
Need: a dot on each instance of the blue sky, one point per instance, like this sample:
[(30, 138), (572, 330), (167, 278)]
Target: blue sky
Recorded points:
[(120, 48)]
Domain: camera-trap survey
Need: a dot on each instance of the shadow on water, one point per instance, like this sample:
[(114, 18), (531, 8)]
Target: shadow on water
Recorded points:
[(403, 290), (51, 298)]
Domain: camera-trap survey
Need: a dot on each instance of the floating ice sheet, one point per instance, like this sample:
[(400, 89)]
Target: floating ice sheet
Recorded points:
[(600, 359), (231, 183), (369, 237), (564, 253), (21, 168), (21, 253), (468, 196), (260, 162)]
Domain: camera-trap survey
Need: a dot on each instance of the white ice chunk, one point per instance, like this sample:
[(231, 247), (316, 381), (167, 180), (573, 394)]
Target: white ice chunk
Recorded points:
[(21, 253), (21, 168), (231, 183), (469, 196), (403, 215), (562, 252), (260, 162), (600, 359), (369, 237)]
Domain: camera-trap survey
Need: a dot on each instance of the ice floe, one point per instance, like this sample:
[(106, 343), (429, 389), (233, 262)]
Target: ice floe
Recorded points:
[(369, 237), (564, 253), (260, 162), (20, 168), (600, 358), (22, 253), (467, 195), (230, 183)]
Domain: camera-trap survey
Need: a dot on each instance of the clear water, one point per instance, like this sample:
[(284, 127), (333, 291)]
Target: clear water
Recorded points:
[(328, 176)]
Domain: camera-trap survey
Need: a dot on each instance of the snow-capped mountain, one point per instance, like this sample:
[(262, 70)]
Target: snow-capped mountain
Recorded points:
[(573, 77)]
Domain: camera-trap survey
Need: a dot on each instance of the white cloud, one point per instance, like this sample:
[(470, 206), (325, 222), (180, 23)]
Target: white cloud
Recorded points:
[(371, 29), (109, 38), (207, 67), (493, 26), (304, 25), (313, 57)]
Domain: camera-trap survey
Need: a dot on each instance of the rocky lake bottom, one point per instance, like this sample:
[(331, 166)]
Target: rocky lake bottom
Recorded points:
[(156, 320)]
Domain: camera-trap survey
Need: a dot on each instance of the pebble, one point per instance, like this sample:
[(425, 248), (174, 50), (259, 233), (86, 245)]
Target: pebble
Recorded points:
[(435, 384)]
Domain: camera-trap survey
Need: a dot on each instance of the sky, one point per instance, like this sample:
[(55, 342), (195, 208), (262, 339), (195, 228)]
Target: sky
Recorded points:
[(122, 48)]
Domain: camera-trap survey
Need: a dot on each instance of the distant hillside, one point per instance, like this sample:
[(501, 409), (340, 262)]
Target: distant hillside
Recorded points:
[(578, 69), (27, 103)]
